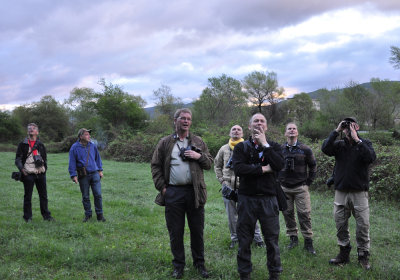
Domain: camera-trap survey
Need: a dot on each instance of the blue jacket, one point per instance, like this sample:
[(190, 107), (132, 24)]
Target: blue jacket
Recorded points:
[(78, 155)]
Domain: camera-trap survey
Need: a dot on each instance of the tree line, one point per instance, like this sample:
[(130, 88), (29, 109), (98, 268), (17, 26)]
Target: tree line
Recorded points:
[(114, 114)]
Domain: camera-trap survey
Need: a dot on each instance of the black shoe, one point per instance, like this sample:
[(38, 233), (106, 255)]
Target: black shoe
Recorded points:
[(87, 218), (100, 218), (177, 273), (233, 244), (308, 246), (363, 259), (294, 241), (260, 244), (203, 271), (29, 220), (244, 276), (49, 219), (343, 257)]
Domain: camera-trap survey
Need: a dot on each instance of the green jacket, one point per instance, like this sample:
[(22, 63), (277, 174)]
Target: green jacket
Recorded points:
[(161, 163)]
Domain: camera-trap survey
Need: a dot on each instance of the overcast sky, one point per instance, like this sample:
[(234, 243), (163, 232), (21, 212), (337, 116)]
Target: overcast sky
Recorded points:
[(50, 47)]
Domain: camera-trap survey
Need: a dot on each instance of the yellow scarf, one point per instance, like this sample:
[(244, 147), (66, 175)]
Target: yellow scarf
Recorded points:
[(232, 143)]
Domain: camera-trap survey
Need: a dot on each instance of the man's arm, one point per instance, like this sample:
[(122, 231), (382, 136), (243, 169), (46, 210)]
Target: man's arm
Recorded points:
[(328, 146), (312, 166), (367, 151), (274, 157), (241, 167), (157, 168), (72, 163), (219, 165), (18, 157)]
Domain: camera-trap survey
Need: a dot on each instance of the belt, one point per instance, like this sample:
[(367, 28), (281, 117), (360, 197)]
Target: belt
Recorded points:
[(181, 186)]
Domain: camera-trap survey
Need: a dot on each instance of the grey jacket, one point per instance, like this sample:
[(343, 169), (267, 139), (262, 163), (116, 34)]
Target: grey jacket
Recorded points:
[(161, 163)]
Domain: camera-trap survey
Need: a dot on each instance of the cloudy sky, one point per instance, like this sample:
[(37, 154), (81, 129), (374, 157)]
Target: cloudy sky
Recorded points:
[(51, 47)]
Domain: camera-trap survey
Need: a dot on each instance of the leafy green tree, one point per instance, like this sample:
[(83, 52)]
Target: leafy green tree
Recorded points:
[(221, 102), (82, 107), (10, 129), (51, 117), (120, 109), (395, 57), (384, 106), (357, 101), (300, 108), (166, 103), (263, 90)]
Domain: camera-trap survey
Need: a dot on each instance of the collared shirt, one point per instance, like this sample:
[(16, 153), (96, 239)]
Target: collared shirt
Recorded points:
[(78, 155), (180, 170)]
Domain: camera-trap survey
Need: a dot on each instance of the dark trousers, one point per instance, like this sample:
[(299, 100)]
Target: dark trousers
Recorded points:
[(40, 181), (178, 202), (265, 209)]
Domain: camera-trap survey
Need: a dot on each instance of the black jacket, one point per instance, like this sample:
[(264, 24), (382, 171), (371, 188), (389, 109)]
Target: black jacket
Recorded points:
[(22, 153), (247, 165), (352, 162)]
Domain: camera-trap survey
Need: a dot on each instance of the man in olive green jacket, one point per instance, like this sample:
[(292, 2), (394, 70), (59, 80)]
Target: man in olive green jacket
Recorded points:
[(177, 169)]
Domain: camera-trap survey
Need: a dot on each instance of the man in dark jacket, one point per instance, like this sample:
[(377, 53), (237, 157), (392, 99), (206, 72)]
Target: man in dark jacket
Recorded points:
[(256, 162), (31, 160), (177, 169), (353, 157), (295, 178)]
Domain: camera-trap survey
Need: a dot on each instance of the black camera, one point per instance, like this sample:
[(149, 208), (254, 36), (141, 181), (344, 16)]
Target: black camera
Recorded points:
[(330, 181), (228, 193), (289, 164), (16, 176), (229, 164), (345, 124), (38, 160), (188, 148)]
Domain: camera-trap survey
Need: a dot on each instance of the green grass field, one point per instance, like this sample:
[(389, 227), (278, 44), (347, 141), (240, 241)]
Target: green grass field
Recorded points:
[(134, 243)]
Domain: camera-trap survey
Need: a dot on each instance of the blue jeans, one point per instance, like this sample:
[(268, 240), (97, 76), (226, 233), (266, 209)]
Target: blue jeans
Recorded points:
[(92, 179)]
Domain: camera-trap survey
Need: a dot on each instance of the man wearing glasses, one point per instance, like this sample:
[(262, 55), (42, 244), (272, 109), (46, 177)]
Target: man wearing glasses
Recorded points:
[(177, 169)]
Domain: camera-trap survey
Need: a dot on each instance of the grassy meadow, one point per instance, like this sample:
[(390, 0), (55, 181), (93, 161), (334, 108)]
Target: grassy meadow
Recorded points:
[(134, 242)]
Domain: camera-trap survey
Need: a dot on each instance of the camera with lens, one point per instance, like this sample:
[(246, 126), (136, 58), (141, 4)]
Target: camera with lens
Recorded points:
[(229, 193), (289, 164), (16, 176), (188, 148), (330, 181), (37, 159), (229, 164), (345, 124)]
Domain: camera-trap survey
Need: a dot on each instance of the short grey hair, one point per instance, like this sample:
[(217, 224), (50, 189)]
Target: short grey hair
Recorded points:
[(182, 110)]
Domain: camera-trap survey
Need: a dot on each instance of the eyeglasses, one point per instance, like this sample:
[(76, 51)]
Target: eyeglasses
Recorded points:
[(185, 119)]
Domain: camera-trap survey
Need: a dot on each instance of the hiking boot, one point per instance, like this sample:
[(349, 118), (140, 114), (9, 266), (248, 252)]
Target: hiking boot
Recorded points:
[(308, 246), (177, 273), (202, 271), (244, 276), (363, 259), (100, 218), (87, 218), (49, 219), (294, 241), (343, 257), (233, 244)]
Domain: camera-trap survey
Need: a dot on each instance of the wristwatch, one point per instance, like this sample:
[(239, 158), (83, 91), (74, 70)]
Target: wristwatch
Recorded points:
[(359, 141)]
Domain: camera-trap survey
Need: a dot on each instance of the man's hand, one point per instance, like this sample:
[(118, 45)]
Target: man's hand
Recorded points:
[(192, 154), (163, 191), (75, 179), (101, 174), (259, 136), (353, 130), (266, 169), (339, 128), (24, 172)]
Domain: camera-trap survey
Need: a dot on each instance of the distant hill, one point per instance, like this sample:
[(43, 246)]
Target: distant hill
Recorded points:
[(317, 94)]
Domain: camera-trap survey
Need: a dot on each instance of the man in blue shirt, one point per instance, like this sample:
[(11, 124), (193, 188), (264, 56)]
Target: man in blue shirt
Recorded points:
[(85, 167)]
